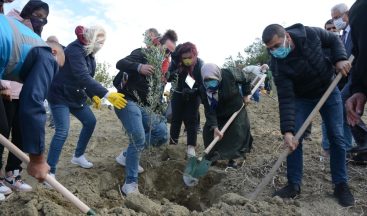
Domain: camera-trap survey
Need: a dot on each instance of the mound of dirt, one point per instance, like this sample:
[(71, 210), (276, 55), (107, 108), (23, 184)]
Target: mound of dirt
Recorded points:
[(221, 192)]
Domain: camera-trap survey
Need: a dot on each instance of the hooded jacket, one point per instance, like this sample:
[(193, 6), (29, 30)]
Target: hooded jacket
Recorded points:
[(75, 82), (306, 72)]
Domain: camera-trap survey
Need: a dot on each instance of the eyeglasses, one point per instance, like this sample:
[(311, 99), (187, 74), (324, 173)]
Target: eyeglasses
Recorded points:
[(330, 28)]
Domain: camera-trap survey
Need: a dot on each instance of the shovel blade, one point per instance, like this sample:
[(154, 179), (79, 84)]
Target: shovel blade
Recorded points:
[(194, 169)]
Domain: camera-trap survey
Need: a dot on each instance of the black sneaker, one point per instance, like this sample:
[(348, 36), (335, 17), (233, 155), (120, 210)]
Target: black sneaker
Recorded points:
[(343, 194), (232, 164), (359, 159), (289, 191)]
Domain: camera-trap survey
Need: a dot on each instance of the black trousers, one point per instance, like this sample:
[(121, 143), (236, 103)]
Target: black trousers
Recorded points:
[(184, 109), (3, 129), (13, 126)]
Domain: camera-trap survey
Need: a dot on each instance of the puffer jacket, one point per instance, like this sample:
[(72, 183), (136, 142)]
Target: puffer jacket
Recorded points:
[(306, 72)]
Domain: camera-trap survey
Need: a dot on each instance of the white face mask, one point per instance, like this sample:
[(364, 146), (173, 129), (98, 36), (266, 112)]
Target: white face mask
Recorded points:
[(97, 46), (339, 23)]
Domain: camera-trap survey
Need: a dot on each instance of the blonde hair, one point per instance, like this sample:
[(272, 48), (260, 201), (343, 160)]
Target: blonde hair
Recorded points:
[(92, 36)]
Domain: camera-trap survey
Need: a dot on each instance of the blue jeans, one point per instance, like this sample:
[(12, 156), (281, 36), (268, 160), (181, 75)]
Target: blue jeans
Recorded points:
[(62, 124), (256, 95), (347, 135), (137, 123), (345, 94), (332, 114)]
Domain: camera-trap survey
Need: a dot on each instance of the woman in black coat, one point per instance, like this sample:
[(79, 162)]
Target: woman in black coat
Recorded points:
[(185, 99), (221, 97)]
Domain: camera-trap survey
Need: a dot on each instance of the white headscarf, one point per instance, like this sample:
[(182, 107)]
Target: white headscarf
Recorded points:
[(95, 37)]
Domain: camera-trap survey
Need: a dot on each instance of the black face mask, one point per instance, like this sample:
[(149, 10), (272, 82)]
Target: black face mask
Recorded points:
[(37, 24)]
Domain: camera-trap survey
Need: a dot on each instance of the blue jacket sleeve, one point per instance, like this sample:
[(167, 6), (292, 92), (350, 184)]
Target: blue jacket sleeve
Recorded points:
[(81, 73), (32, 112)]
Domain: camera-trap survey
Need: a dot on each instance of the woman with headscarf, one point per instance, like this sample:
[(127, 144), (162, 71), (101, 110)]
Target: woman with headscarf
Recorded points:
[(221, 96), (185, 100), (34, 16), (69, 91)]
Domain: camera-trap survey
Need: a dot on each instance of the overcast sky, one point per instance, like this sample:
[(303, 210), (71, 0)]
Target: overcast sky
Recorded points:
[(219, 28)]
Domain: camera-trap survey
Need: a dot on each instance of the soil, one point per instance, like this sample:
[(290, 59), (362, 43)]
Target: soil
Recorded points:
[(221, 192)]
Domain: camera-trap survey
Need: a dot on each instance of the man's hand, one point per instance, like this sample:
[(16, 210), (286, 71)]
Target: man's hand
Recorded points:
[(343, 67), (217, 133), (38, 167), (247, 100), (290, 142), (146, 70), (354, 107), (6, 94)]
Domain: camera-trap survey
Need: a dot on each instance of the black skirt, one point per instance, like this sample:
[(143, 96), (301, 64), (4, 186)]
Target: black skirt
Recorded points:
[(236, 141)]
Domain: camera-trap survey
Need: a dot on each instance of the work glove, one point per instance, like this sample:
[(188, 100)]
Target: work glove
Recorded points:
[(117, 99), (97, 103)]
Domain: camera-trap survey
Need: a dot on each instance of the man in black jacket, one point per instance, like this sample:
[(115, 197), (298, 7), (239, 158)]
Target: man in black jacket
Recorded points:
[(132, 80), (302, 74)]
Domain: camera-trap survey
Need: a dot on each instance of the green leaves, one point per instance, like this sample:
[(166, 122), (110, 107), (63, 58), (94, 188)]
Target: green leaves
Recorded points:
[(102, 75), (155, 55)]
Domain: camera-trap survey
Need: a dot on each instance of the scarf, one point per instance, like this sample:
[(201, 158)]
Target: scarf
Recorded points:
[(211, 71)]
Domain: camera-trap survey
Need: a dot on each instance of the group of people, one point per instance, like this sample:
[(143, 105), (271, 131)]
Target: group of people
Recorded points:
[(304, 61)]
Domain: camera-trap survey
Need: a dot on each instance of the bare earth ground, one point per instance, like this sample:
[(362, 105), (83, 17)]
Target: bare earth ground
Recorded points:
[(220, 192)]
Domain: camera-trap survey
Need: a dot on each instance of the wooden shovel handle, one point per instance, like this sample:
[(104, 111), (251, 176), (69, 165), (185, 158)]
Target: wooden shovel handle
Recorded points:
[(53, 182), (298, 135), (216, 139)]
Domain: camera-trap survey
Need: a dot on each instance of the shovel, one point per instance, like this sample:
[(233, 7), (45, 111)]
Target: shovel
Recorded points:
[(298, 135), (53, 182), (196, 168)]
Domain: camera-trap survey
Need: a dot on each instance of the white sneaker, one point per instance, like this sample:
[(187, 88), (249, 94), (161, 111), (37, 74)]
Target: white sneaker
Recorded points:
[(2, 197), (47, 185), (4, 190), (15, 181), (130, 188), (82, 161), (191, 151), (121, 159)]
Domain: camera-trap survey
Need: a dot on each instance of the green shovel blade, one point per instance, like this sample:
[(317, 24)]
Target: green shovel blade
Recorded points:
[(197, 168)]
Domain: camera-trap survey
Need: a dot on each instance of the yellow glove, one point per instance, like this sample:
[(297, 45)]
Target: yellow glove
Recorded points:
[(97, 103), (117, 100)]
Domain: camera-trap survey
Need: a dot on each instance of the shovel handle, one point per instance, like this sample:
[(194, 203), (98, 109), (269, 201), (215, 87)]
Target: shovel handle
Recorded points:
[(53, 182), (262, 78), (298, 135)]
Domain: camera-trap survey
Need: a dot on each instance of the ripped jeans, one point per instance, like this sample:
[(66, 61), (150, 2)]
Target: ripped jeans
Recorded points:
[(136, 122)]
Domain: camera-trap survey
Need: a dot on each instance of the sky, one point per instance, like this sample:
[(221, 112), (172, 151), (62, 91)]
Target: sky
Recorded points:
[(219, 28)]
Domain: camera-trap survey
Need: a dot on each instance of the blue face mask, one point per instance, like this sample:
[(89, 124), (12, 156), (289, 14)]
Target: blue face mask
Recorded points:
[(282, 51), (211, 84)]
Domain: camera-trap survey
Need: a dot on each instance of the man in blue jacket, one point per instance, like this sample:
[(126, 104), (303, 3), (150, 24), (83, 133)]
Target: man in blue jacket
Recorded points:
[(302, 74), (25, 57)]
